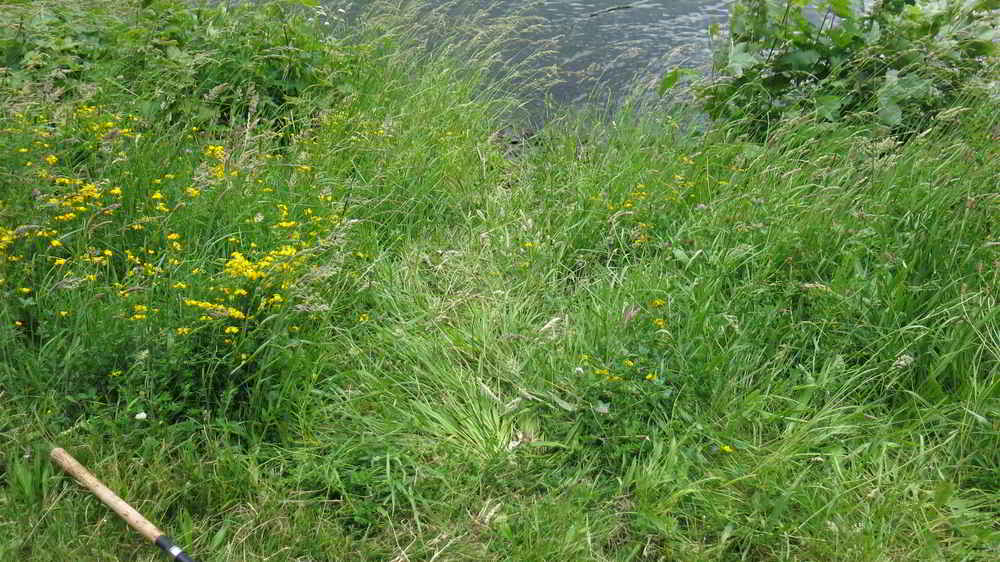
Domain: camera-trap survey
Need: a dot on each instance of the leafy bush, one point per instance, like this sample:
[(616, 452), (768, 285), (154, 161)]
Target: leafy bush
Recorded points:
[(906, 59), (209, 65)]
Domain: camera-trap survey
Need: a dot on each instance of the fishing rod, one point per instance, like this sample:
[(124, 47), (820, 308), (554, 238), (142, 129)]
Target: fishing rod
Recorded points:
[(118, 505)]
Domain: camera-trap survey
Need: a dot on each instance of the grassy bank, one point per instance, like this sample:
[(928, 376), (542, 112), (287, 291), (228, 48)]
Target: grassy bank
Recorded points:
[(290, 298)]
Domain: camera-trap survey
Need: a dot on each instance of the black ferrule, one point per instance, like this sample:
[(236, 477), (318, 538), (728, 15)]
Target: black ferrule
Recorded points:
[(174, 551)]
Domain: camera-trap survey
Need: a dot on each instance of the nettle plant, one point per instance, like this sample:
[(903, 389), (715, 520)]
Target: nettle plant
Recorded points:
[(906, 60)]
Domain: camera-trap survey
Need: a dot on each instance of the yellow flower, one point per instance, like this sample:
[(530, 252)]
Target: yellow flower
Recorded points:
[(183, 331), (363, 317), (179, 285), (173, 236), (63, 313), (156, 195), (657, 303), (115, 191), (232, 330), (25, 290), (55, 243), (215, 151), (660, 323), (726, 449), (191, 192), (52, 159), (60, 261), (239, 266)]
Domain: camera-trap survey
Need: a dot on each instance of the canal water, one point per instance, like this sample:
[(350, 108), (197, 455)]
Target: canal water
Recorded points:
[(594, 51)]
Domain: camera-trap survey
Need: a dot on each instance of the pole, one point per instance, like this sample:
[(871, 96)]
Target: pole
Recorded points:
[(118, 505)]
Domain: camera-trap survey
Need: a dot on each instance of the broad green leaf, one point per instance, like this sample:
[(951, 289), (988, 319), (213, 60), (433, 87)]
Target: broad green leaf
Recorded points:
[(800, 60), (942, 493), (178, 56), (219, 537), (828, 107), (841, 7), (739, 60), (13, 52), (873, 34), (671, 78), (752, 151), (889, 112)]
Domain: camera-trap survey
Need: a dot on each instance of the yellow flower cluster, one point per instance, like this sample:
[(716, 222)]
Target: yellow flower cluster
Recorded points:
[(216, 310), (239, 266), (6, 237), (279, 260), (140, 247), (215, 151)]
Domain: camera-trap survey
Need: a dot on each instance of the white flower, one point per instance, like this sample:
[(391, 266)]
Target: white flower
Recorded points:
[(141, 416), (903, 361)]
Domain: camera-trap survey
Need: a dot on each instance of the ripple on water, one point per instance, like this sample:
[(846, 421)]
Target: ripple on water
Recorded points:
[(606, 54)]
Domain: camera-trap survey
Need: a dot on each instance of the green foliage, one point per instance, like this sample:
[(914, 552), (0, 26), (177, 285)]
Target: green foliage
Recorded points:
[(379, 338), (904, 60), (143, 152), (207, 65)]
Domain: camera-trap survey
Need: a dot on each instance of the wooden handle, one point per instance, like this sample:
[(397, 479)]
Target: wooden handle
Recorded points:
[(118, 505)]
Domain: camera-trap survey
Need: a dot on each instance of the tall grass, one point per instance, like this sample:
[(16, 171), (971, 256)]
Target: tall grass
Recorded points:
[(346, 323)]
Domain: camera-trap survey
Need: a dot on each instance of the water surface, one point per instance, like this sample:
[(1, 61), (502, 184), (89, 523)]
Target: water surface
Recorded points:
[(597, 50)]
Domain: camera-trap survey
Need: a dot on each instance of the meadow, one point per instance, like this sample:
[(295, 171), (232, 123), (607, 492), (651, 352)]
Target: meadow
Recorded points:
[(275, 281)]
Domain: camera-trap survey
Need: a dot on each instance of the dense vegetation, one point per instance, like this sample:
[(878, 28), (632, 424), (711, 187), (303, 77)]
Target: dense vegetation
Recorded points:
[(897, 62), (279, 285)]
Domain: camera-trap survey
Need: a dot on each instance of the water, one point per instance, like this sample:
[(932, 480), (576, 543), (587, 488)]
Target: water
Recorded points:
[(597, 52)]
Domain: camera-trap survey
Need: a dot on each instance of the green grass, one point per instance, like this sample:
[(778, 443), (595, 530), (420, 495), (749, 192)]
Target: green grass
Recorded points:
[(635, 341)]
